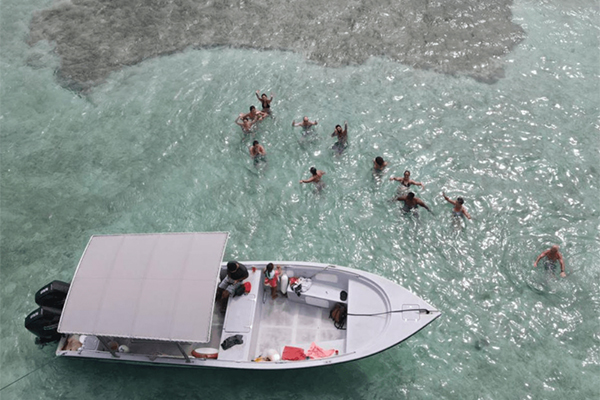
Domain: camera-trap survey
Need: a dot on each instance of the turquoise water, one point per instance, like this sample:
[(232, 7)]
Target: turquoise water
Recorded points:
[(154, 149)]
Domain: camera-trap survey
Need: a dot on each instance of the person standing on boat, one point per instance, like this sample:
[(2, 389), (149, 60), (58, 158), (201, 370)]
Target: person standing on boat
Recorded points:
[(459, 210), (266, 102), (411, 202), (552, 256), (236, 273), (342, 138), (405, 181), (272, 278)]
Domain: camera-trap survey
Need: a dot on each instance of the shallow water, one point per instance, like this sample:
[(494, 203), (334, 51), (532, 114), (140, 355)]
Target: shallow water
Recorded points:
[(154, 149)]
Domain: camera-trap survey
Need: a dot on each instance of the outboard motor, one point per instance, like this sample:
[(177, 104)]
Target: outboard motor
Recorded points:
[(52, 295), (43, 323)]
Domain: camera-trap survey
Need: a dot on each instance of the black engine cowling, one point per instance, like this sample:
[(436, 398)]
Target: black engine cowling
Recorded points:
[(52, 295), (43, 323)]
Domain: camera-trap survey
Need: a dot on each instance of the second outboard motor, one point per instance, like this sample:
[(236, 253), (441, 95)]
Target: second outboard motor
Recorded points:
[(52, 295), (43, 323)]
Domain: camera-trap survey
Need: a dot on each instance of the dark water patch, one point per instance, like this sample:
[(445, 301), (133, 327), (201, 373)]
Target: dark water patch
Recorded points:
[(456, 37)]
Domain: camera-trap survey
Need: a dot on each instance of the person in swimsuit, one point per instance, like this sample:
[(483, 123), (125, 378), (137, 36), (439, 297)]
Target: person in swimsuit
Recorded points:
[(315, 178), (306, 123), (266, 102), (379, 164), (257, 151), (412, 202), (406, 181), (245, 123), (459, 210), (552, 256), (254, 115), (342, 137)]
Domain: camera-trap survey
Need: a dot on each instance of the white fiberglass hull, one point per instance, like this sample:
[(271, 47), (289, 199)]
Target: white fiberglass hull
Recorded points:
[(381, 314)]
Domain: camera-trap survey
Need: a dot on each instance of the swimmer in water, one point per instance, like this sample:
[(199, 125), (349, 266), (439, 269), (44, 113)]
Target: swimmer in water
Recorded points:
[(254, 115), (552, 256), (306, 123), (266, 102), (245, 123), (459, 210), (316, 176), (412, 202), (342, 137), (405, 181), (379, 164), (257, 150)]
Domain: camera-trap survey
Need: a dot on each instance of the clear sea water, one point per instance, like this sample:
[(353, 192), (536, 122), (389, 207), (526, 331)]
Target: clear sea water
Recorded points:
[(153, 148)]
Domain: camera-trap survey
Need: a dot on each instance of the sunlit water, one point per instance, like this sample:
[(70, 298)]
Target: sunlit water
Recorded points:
[(155, 149)]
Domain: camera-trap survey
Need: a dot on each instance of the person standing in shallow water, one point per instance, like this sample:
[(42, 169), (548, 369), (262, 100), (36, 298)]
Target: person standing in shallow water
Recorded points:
[(412, 202), (245, 123), (379, 164), (405, 181), (552, 256), (459, 210), (306, 123), (257, 150), (254, 115), (315, 178), (265, 101), (342, 137)]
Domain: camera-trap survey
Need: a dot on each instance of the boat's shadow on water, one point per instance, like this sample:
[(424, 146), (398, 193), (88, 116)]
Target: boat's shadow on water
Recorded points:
[(335, 381)]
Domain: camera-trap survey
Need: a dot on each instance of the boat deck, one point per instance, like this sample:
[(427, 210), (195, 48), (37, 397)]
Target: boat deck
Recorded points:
[(286, 323)]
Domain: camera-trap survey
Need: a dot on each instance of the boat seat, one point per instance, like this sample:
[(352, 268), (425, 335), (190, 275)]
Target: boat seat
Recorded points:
[(239, 320), (319, 295)]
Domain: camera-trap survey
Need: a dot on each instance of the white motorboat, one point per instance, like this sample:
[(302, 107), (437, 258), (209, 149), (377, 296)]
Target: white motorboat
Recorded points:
[(150, 298)]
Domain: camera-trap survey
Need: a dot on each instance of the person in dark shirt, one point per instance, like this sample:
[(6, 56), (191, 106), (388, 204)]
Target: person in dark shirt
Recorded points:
[(236, 273)]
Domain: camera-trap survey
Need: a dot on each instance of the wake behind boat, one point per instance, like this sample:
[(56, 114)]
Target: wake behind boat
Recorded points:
[(150, 298)]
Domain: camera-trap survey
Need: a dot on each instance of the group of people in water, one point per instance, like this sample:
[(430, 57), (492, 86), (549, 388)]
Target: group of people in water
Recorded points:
[(411, 202)]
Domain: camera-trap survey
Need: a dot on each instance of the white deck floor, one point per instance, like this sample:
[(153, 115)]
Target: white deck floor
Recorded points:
[(286, 323)]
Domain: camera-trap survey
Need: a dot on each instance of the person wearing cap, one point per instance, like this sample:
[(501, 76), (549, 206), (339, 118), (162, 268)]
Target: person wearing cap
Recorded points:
[(236, 273)]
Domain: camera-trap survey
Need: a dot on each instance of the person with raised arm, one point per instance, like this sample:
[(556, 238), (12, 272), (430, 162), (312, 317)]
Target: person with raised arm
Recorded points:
[(459, 210), (265, 101), (405, 181), (342, 137), (306, 123), (245, 123)]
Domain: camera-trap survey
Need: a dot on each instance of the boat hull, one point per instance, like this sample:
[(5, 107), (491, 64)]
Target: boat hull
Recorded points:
[(381, 314)]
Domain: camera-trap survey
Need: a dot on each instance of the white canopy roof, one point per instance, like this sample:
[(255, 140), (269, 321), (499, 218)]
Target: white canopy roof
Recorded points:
[(146, 286)]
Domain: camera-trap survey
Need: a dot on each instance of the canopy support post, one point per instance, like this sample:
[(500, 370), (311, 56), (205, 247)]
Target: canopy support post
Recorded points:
[(187, 358), (105, 344)]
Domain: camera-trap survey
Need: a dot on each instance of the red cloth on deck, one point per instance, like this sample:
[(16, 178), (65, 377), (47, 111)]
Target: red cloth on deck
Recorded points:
[(293, 353), (315, 352)]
